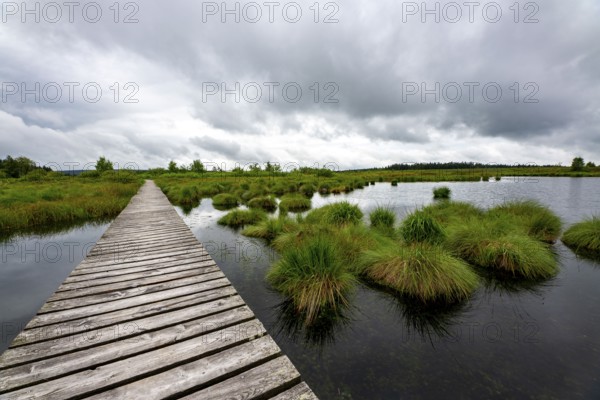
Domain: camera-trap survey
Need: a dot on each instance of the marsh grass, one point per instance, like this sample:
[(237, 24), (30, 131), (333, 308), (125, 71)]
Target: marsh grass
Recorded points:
[(313, 276), (442, 193), (420, 227), (448, 212), (421, 271), (240, 218), (584, 236), (266, 203), (342, 213), (497, 245), (383, 218), (295, 203), (270, 228), (26, 205), (539, 221), (225, 200)]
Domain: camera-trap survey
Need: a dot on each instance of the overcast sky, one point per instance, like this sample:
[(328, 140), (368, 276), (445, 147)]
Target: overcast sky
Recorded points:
[(381, 82)]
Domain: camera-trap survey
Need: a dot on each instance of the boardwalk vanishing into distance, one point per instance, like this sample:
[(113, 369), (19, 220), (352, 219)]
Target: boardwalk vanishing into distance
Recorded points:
[(147, 315)]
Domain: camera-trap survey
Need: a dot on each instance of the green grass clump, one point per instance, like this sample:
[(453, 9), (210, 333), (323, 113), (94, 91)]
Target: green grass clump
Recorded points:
[(447, 212), (441, 193), (270, 228), (584, 236), (421, 271), (342, 213), (225, 200), (394, 182), (539, 221), (420, 227), (295, 203), (266, 203), (307, 190), (313, 276), (499, 246), (382, 218), (238, 218)]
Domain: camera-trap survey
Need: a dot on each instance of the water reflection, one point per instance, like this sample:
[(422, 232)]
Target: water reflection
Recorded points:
[(322, 331)]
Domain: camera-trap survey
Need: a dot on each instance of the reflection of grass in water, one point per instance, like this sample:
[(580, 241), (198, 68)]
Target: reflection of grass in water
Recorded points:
[(494, 281), (431, 320), (48, 231), (321, 330)]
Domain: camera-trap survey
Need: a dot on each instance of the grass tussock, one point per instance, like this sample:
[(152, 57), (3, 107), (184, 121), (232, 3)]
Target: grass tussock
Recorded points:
[(538, 221), (442, 193), (584, 236), (270, 228), (266, 203), (421, 227), (501, 247), (225, 200), (422, 271), (295, 203), (239, 218), (383, 218), (313, 276)]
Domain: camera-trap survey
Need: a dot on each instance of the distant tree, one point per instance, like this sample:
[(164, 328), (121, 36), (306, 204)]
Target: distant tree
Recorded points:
[(103, 164), (272, 167), (254, 167), (173, 166), (17, 167), (577, 164), (590, 165), (197, 166), (238, 170)]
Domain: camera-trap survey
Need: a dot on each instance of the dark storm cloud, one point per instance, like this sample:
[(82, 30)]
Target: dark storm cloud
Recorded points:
[(363, 63)]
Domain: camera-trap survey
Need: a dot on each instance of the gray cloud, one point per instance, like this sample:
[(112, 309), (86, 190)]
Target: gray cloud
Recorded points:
[(367, 59)]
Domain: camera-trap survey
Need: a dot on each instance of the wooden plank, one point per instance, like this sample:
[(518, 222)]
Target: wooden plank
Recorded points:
[(298, 392), (70, 309), (198, 262), (118, 373), (36, 351), (91, 323), (87, 288), (240, 319), (147, 314), (258, 383)]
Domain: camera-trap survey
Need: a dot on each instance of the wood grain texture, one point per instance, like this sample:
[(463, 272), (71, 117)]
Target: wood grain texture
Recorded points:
[(147, 315)]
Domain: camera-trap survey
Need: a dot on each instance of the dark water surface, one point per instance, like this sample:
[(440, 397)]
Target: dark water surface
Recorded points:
[(539, 342)]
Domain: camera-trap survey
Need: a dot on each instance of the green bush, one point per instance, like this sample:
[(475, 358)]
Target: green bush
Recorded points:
[(442, 193)]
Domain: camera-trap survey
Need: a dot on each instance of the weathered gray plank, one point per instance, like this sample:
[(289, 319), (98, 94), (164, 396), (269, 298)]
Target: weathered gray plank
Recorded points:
[(298, 392), (156, 361), (261, 381), (25, 354), (69, 309), (225, 323), (91, 323)]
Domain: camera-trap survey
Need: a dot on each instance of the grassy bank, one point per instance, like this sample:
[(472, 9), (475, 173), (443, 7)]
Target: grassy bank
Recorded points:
[(30, 205)]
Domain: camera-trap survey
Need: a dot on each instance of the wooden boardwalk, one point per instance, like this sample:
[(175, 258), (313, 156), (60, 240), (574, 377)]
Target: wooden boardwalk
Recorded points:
[(147, 315)]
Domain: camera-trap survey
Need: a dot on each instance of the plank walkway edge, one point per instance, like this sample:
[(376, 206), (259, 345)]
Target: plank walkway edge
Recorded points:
[(162, 322)]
